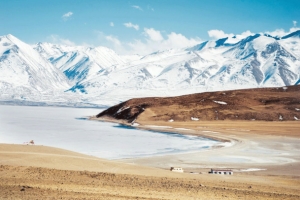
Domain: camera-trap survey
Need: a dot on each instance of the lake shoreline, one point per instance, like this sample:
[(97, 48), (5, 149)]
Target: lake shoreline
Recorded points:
[(265, 154), (160, 129)]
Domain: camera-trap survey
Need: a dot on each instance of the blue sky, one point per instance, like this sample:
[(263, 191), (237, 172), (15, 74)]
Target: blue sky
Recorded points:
[(143, 26)]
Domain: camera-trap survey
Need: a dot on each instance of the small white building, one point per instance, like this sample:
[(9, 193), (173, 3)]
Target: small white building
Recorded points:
[(221, 171), (176, 169)]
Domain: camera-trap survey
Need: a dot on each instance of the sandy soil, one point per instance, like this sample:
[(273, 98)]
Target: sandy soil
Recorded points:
[(39, 172)]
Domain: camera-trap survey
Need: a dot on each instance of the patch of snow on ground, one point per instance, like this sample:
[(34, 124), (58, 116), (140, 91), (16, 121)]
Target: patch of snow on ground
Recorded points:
[(220, 102), (297, 109), (171, 120), (194, 118), (135, 124), (122, 109), (296, 118), (284, 88), (280, 117)]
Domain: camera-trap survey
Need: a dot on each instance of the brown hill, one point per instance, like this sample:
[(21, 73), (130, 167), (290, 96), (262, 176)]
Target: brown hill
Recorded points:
[(268, 104)]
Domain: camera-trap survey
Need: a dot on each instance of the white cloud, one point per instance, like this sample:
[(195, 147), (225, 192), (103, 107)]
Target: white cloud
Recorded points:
[(153, 34), (58, 40), (130, 25), (113, 39), (295, 23), (110, 41), (281, 32), (293, 29), (277, 32), (178, 40), (218, 34), (153, 40), (67, 15), (111, 24), (137, 7), (244, 34)]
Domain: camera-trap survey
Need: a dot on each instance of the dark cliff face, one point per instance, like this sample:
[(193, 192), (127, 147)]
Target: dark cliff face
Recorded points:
[(268, 104), (121, 112)]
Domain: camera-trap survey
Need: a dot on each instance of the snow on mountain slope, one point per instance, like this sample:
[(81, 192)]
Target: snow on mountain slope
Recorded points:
[(292, 43), (98, 75), (79, 63), (255, 61), (24, 73)]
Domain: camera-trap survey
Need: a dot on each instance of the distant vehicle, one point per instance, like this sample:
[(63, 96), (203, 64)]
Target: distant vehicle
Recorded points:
[(176, 169)]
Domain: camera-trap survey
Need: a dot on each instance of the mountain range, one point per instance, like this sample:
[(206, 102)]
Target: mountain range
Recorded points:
[(47, 72)]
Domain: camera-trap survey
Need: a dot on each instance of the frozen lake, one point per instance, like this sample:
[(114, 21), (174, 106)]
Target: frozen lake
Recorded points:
[(63, 127)]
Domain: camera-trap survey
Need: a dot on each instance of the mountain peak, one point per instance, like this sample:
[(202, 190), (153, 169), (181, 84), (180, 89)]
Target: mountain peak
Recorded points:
[(221, 41), (293, 34), (11, 37)]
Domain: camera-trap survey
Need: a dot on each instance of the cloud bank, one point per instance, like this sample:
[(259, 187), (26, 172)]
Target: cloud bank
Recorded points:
[(282, 32), (152, 40), (218, 34)]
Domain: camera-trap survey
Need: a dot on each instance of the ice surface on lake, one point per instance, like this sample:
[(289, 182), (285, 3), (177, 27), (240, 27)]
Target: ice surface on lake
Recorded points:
[(66, 128)]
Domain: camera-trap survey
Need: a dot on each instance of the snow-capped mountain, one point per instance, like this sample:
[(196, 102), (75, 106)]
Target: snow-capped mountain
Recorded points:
[(100, 76), (78, 63), (255, 61), (24, 73)]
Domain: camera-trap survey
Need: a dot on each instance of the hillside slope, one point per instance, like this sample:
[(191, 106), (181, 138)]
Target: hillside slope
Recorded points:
[(78, 62), (24, 73), (269, 104)]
